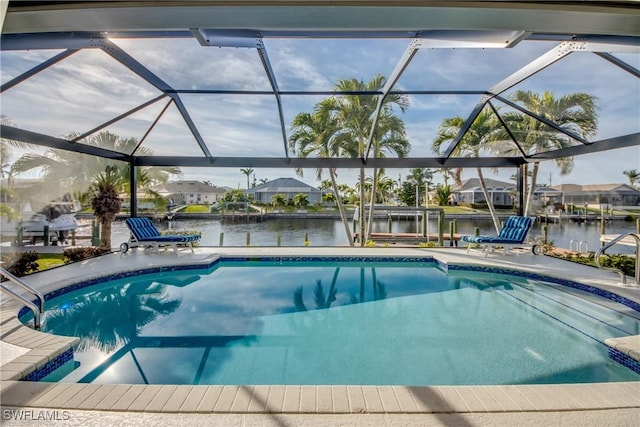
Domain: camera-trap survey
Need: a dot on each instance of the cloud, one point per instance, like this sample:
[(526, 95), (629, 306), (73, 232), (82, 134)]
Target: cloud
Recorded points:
[(90, 88)]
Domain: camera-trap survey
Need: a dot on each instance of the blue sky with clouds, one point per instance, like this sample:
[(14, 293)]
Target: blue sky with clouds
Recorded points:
[(90, 88)]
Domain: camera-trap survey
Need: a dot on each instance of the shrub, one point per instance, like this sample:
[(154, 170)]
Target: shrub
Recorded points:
[(22, 263), (621, 262), (428, 245), (196, 209), (80, 254)]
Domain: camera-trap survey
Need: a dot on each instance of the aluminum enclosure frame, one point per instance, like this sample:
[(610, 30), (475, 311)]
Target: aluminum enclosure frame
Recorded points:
[(598, 27)]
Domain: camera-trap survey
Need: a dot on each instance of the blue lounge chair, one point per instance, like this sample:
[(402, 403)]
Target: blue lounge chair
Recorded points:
[(144, 233), (513, 234)]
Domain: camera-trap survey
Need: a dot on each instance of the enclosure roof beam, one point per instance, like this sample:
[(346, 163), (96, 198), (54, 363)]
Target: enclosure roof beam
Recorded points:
[(402, 64), (543, 120), (542, 62), (132, 64), (34, 138), (466, 125), (264, 58), (120, 117), (623, 141), (569, 17), (35, 70), (620, 63), (338, 163)]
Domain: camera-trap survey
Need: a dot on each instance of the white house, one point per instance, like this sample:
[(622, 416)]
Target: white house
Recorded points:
[(470, 192), (288, 186), (190, 192), (610, 194)]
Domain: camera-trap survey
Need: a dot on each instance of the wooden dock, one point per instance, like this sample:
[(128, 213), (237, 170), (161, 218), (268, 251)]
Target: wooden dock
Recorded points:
[(408, 237), (627, 241)]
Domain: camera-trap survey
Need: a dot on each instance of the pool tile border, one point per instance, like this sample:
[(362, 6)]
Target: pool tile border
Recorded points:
[(446, 267), (542, 277), (50, 366), (624, 360)]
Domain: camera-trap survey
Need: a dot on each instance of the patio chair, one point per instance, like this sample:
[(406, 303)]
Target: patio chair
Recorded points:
[(144, 233), (512, 235)]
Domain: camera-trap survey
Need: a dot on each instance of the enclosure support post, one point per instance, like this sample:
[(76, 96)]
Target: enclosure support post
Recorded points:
[(133, 190), (521, 190)]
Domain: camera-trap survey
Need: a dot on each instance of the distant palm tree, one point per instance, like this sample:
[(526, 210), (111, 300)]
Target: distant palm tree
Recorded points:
[(633, 176), (574, 112), (278, 200), (301, 199), (446, 175), (484, 130), (247, 172), (384, 187), (390, 137)]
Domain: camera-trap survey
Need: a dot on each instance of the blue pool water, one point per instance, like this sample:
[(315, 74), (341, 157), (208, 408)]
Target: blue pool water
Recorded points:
[(382, 323)]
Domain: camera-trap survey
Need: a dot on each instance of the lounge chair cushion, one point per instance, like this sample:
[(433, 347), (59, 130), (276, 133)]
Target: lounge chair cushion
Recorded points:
[(144, 231), (515, 230)]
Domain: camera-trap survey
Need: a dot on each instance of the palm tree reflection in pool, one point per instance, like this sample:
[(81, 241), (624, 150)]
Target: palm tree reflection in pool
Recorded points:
[(324, 301), (111, 318)]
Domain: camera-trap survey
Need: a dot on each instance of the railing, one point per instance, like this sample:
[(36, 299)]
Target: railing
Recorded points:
[(37, 309), (613, 242), (578, 246)]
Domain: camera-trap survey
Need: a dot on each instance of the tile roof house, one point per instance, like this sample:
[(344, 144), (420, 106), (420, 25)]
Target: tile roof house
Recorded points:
[(611, 194), (470, 192), (190, 192), (288, 186)]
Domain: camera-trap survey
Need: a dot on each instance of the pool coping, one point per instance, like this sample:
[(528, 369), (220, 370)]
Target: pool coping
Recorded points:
[(47, 350)]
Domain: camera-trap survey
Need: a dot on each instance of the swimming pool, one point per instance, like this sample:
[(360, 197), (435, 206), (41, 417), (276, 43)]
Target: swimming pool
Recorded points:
[(331, 321)]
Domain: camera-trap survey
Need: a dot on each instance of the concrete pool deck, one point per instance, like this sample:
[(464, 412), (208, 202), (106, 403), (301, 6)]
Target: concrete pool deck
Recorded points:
[(24, 350)]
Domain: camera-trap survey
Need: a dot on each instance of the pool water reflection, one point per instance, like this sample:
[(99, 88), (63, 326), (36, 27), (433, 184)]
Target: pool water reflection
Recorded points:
[(404, 323)]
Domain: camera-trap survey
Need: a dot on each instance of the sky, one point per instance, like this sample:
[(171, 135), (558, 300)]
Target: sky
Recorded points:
[(90, 88)]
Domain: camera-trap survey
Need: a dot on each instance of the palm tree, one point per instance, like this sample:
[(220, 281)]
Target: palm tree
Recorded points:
[(387, 187), (384, 187), (633, 175), (390, 137), (247, 171), (313, 134), (575, 113), (485, 129), (6, 149), (76, 172), (278, 200), (106, 203), (301, 200), (355, 117)]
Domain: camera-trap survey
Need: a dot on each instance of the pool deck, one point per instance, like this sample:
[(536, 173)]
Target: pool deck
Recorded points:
[(24, 350)]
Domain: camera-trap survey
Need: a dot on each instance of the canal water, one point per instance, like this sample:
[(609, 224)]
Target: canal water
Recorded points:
[(330, 232)]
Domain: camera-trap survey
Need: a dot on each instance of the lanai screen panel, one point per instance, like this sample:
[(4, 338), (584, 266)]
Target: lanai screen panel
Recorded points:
[(179, 97)]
